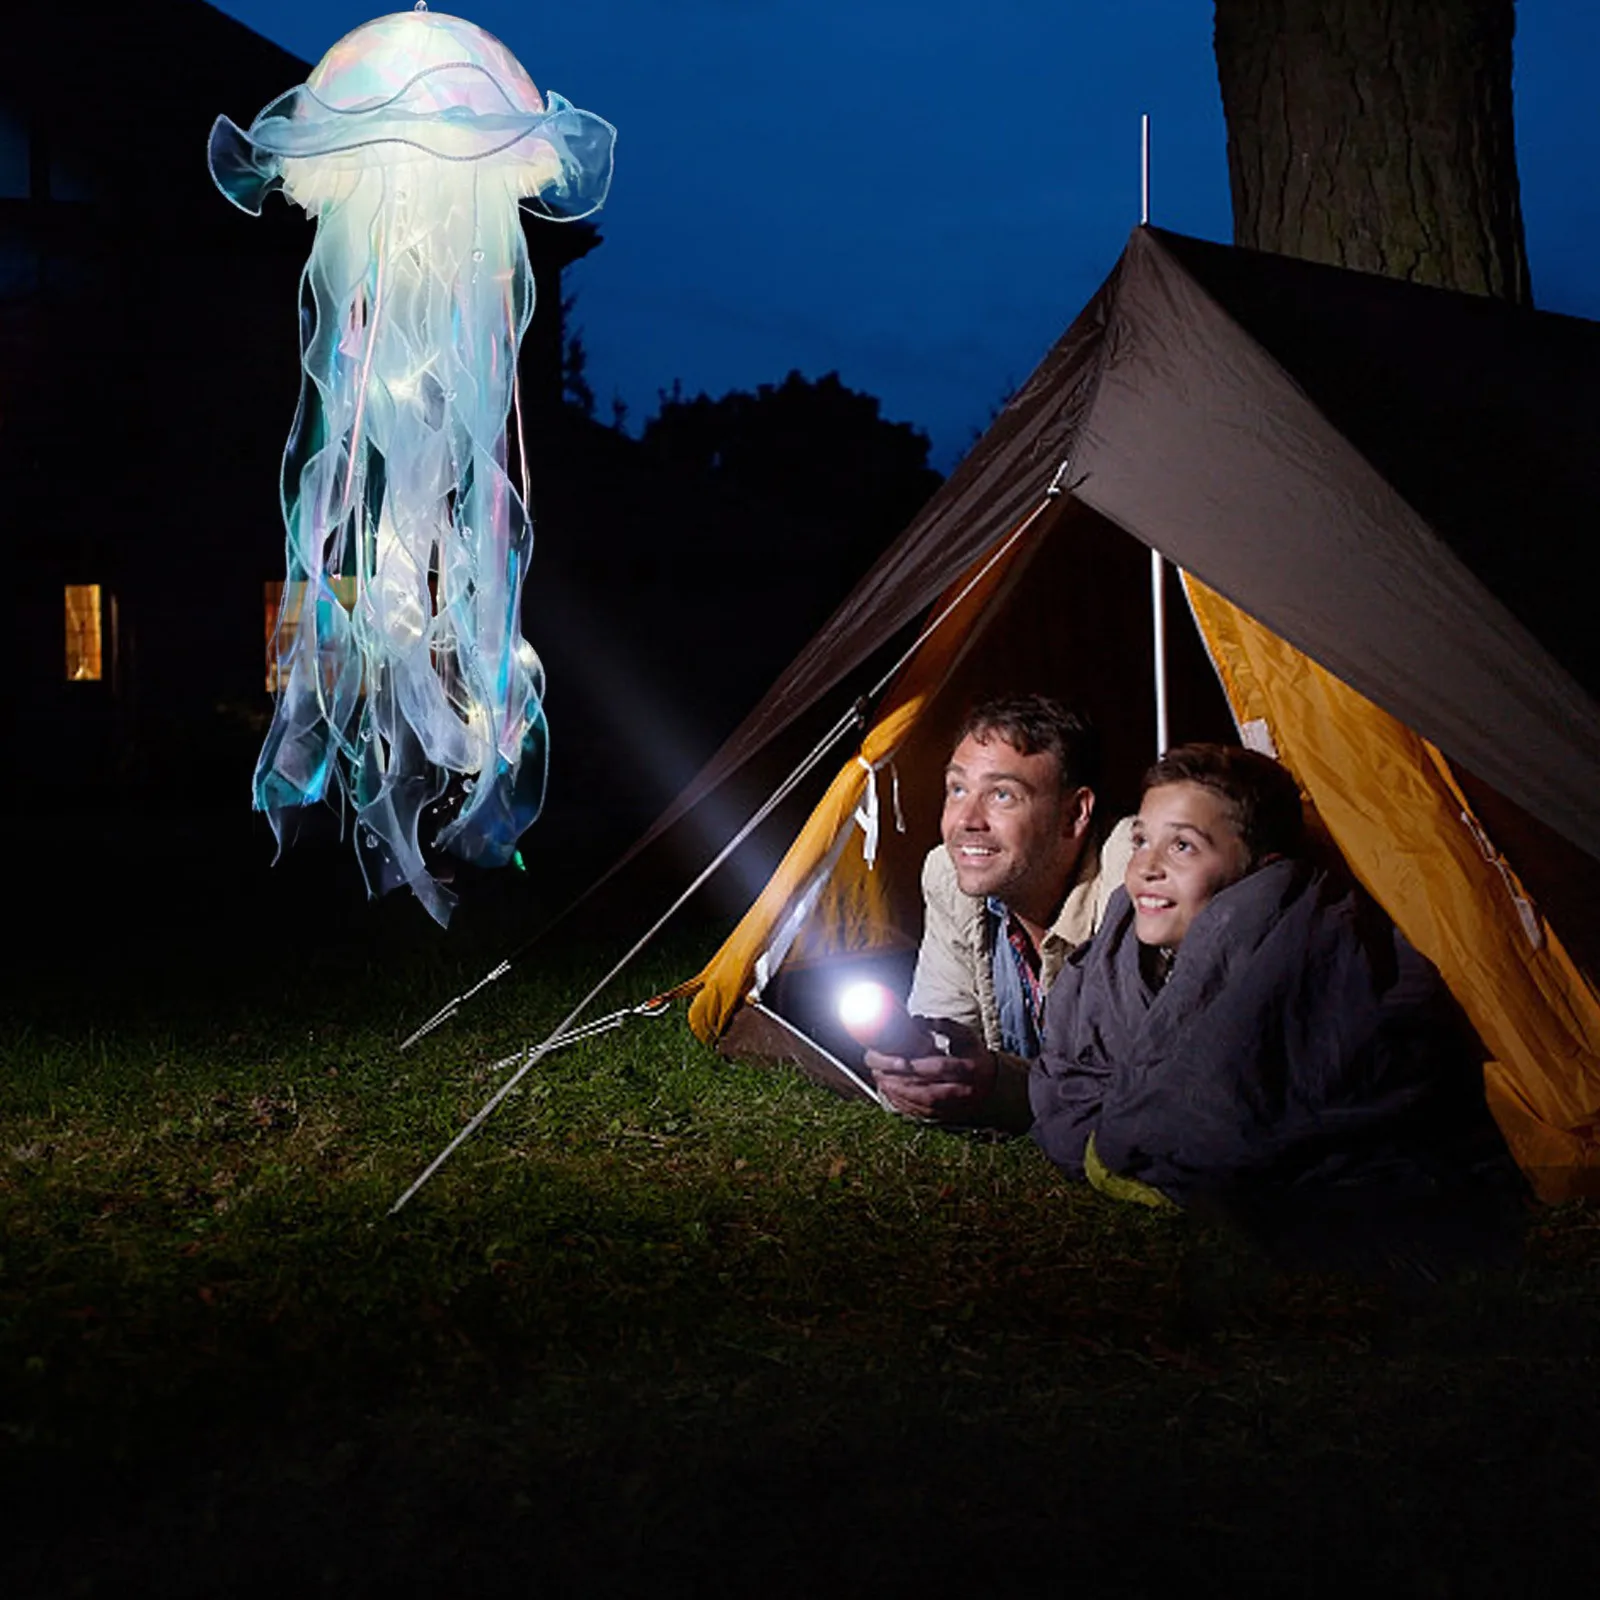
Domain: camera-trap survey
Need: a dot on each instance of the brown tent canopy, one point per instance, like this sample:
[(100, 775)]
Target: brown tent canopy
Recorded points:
[(1392, 478)]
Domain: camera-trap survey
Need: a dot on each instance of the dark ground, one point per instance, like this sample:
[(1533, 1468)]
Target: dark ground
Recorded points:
[(670, 1326)]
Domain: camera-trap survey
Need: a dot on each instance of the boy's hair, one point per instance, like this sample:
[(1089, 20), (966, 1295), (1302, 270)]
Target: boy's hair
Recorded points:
[(1264, 799), (1034, 723)]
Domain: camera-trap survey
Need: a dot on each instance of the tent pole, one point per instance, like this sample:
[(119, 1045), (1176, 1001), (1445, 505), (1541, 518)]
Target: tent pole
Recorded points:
[(1144, 170), (1158, 626), (1158, 585)]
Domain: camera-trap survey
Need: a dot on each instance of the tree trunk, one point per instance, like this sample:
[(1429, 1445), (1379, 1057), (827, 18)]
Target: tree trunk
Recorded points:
[(1376, 134)]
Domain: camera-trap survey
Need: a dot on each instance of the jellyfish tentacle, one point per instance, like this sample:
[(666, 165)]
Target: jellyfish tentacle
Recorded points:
[(373, 321)]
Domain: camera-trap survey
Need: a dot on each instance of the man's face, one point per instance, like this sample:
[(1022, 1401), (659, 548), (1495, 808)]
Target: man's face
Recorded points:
[(1009, 829), (1186, 850)]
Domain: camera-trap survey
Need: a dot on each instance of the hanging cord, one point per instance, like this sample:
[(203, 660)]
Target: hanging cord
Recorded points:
[(818, 753)]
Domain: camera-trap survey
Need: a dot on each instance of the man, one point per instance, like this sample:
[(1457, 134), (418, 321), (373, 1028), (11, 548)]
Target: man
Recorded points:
[(1020, 882)]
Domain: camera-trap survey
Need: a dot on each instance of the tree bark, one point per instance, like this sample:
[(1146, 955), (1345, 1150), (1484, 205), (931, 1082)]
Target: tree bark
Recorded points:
[(1378, 135)]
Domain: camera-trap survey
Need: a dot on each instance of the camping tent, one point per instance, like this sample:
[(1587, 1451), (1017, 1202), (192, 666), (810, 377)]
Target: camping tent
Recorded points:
[(1378, 495)]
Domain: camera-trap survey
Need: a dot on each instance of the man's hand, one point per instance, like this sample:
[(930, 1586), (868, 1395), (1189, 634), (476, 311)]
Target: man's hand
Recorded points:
[(937, 1088)]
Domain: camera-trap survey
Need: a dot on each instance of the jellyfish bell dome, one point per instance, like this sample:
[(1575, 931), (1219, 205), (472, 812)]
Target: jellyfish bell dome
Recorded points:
[(404, 88), (455, 66)]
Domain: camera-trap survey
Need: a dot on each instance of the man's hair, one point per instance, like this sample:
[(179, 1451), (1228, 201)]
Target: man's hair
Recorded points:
[(1264, 799), (1033, 723)]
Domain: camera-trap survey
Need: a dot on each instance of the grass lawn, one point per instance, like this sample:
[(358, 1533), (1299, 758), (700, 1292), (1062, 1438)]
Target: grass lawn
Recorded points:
[(673, 1325)]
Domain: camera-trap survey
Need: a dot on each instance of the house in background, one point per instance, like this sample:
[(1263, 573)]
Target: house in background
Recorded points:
[(148, 377)]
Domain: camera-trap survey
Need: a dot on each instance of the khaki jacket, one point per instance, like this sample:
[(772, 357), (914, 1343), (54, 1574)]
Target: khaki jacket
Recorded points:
[(954, 980)]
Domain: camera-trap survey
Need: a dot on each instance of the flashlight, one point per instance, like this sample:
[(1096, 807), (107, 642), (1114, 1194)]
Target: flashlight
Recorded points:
[(873, 1017)]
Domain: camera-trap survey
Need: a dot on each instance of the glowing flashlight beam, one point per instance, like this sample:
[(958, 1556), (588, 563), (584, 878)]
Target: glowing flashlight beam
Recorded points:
[(873, 1017)]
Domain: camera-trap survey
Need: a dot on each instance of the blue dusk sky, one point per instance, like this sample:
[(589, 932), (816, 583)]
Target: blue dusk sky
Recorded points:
[(916, 194)]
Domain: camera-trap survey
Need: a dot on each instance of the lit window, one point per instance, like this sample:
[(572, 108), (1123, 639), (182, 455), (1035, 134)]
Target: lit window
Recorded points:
[(283, 604), (83, 633), (290, 623)]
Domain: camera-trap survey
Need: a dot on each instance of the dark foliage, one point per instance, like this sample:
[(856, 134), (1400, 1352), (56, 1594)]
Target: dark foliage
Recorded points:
[(817, 448)]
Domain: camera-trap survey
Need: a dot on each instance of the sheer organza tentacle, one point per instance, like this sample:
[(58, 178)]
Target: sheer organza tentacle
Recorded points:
[(405, 688)]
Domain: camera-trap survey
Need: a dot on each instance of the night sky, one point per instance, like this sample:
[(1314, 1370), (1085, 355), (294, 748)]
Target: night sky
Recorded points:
[(916, 194)]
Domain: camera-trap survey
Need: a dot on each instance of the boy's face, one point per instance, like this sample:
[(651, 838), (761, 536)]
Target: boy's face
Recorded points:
[(1186, 850)]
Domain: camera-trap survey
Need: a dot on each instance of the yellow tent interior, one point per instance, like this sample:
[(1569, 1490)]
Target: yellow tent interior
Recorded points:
[(1306, 556)]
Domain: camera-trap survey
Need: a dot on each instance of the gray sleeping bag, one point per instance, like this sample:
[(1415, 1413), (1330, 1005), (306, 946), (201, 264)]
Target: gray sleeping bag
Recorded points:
[(1297, 1040)]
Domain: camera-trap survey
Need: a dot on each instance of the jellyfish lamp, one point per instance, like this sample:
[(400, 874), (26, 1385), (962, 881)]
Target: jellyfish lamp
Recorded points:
[(407, 692)]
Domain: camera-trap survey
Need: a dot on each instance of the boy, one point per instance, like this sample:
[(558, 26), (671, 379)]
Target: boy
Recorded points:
[(1246, 1023)]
